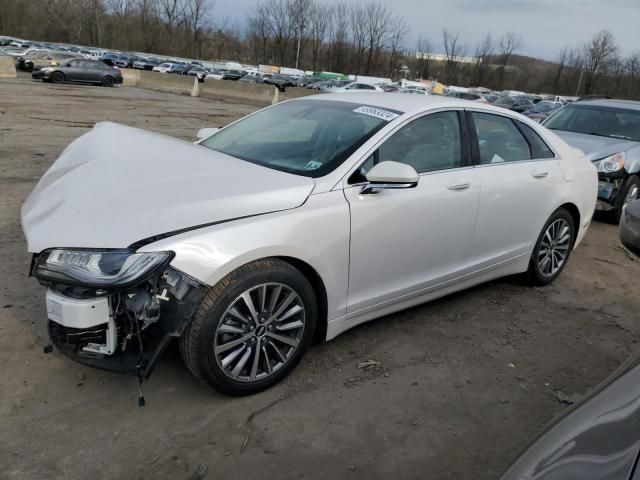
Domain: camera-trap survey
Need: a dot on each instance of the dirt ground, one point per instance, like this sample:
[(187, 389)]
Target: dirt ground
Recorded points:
[(464, 384)]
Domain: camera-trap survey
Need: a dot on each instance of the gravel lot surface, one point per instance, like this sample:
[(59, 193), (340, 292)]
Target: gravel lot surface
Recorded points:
[(464, 383)]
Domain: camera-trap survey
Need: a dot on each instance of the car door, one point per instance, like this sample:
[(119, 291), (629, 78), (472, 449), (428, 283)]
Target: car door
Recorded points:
[(75, 71), (520, 177), (406, 240)]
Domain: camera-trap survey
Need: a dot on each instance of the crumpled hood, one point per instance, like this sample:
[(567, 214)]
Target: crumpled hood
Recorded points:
[(595, 147), (117, 185)]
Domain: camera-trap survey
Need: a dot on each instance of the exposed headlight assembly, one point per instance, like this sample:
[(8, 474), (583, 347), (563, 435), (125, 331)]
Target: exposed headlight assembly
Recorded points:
[(612, 163), (98, 268)]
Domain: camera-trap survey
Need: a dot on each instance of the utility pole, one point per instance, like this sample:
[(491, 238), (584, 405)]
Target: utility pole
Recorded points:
[(298, 51), (579, 82)]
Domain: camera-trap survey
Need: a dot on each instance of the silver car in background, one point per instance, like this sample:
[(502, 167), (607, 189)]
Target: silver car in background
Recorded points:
[(301, 220), (608, 131)]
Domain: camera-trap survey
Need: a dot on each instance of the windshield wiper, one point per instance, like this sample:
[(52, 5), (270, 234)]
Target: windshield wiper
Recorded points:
[(622, 137)]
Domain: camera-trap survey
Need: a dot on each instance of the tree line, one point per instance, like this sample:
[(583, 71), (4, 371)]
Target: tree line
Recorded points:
[(366, 38)]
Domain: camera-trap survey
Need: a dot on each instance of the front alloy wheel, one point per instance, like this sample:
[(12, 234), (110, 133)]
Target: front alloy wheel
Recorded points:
[(259, 332), (252, 328), (552, 248)]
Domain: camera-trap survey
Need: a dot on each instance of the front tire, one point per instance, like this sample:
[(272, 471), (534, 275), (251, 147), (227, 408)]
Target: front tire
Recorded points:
[(552, 249), (57, 77), (252, 328), (108, 81)]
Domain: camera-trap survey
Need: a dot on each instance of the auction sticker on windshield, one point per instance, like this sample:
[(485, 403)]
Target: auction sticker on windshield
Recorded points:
[(377, 112)]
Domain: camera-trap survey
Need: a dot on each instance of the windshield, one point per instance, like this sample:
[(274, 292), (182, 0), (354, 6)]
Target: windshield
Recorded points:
[(543, 107), (503, 102), (597, 120), (304, 137)]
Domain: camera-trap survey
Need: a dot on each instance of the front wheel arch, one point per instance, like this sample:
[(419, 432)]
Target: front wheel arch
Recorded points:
[(314, 278)]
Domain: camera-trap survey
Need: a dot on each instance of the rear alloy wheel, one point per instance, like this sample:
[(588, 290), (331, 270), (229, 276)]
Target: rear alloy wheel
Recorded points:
[(552, 250), (108, 81), (57, 77), (252, 328)]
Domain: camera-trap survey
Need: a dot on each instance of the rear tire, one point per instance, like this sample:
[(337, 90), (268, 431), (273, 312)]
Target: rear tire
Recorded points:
[(552, 249), (254, 360), (108, 81), (57, 77)]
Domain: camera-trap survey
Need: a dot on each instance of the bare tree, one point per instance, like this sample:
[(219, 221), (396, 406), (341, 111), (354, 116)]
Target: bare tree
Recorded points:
[(509, 43), (259, 34), (279, 23), (320, 17), (299, 13), (423, 60), (453, 50), (377, 19), (563, 57), (397, 32), (597, 52), (358, 24), (338, 36), (483, 54), (194, 11)]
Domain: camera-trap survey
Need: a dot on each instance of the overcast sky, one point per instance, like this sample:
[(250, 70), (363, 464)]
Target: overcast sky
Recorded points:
[(545, 25)]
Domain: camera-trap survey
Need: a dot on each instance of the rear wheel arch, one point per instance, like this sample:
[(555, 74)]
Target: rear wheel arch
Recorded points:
[(575, 215)]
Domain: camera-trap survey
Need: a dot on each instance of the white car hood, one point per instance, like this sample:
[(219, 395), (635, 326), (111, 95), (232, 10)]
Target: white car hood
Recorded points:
[(117, 185)]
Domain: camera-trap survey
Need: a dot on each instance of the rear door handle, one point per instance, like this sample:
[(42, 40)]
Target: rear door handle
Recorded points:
[(461, 185), (539, 173)]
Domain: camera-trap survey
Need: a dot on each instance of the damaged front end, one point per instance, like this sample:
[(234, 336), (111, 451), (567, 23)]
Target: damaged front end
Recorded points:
[(115, 309)]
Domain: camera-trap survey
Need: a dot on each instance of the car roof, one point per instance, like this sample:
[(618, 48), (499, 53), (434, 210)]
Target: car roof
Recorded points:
[(611, 102), (403, 102)]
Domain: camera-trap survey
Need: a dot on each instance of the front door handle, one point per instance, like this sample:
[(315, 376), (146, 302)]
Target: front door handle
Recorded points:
[(461, 185), (539, 173)]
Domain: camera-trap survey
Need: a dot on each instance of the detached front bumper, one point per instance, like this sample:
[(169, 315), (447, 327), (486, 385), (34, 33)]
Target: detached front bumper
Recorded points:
[(125, 331), (609, 185)]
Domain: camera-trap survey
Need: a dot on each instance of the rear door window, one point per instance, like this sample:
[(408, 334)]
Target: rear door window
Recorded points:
[(499, 140)]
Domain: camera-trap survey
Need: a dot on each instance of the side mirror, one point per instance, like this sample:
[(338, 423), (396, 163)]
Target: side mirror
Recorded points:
[(390, 175), (206, 132)]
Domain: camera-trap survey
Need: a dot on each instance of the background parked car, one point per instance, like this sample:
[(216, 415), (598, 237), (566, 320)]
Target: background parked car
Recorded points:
[(178, 69), (80, 71), (474, 97), (146, 63), (280, 81), (414, 91), (213, 74), (163, 67), (608, 131), (232, 75), (356, 87), (517, 104), (197, 71), (542, 110)]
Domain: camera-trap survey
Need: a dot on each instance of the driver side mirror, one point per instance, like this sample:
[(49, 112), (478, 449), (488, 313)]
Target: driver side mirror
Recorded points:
[(206, 132), (390, 175)]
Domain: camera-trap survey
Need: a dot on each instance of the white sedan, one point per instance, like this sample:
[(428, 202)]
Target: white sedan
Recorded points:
[(163, 67), (299, 221)]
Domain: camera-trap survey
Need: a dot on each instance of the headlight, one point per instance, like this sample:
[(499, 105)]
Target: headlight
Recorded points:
[(612, 163), (107, 268)]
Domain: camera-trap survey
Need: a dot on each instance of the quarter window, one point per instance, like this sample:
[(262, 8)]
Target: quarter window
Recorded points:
[(539, 147), (499, 139)]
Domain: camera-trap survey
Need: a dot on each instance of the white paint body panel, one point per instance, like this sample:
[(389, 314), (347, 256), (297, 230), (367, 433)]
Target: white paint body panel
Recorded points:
[(77, 313), (375, 254), (99, 195)]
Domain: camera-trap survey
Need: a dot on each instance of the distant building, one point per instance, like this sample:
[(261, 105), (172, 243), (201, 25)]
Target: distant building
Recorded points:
[(439, 57)]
